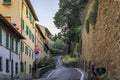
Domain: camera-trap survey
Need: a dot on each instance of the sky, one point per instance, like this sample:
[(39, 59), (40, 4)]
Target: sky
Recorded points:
[(45, 10)]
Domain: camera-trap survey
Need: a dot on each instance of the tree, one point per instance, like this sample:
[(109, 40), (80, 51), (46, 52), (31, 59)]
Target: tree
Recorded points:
[(68, 18)]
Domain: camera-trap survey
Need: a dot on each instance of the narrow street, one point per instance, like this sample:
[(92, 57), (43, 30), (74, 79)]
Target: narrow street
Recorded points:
[(62, 73)]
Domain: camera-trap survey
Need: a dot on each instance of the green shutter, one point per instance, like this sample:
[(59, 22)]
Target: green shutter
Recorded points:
[(32, 38), (27, 30), (12, 44), (29, 34), (7, 40), (22, 47), (0, 36), (6, 1), (29, 52), (27, 11), (32, 55), (30, 68), (21, 67), (16, 47), (26, 50), (22, 24)]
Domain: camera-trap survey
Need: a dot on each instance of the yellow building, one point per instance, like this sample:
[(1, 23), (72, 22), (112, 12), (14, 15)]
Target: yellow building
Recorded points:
[(47, 40), (39, 41), (22, 14)]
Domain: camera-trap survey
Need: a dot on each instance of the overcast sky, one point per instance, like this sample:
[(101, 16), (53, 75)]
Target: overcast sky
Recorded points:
[(45, 10)]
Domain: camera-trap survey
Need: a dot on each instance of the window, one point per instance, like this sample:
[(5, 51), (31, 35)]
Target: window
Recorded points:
[(0, 63), (26, 50), (30, 68), (22, 47), (22, 66), (6, 1), (7, 40), (7, 65), (16, 47), (30, 18), (29, 34), (27, 30), (16, 68), (27, 11), (12, 45), (32, 38), (29, 53), (32, 55), (0, 36), (22, 24)]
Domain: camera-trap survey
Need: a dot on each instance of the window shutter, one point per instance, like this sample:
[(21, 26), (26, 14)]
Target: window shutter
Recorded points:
[(12, 44), (7, 40), (27, 11), (6, 1), (32, 55), (27, 30), (29, 34), (22, 24), (16, 47), (22, 47), (29, 53)]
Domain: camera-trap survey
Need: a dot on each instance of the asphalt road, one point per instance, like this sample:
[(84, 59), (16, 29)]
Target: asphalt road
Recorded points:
[(62, 73)]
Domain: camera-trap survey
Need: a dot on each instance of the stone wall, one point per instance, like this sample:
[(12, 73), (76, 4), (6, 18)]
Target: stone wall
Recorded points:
[(101, 45)]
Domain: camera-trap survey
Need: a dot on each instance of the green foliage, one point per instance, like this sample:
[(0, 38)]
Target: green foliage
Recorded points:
[(56, 51), (46, 62), (68, 18), (87, 26), (93, 14), (104, 78), (69, 61)]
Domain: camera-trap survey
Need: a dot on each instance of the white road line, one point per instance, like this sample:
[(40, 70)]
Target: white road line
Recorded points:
[(82, 77), (50, 74)]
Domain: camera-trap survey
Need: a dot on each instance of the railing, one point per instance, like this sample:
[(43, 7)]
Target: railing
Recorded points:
[(41, 71)]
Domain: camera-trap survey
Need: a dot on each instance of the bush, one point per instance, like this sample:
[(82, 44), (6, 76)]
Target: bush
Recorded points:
[(69, 61), (46, 62)]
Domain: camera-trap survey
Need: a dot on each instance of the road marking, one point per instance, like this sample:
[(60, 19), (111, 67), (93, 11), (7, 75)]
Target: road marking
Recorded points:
[(50, 74), (82, 77)]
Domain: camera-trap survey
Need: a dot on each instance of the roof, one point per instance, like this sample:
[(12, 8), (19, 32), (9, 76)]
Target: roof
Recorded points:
[(9, 27), (38, 27), (32, 9)]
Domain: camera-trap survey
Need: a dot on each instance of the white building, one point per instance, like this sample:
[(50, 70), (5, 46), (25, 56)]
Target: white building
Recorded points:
[(9, 49)]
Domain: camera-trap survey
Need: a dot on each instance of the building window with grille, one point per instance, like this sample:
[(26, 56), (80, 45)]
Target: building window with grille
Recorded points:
[(22, 66), (7, 65), (0, 63)]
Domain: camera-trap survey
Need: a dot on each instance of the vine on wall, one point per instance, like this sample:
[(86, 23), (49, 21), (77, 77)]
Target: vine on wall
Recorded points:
[(92, 16)]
